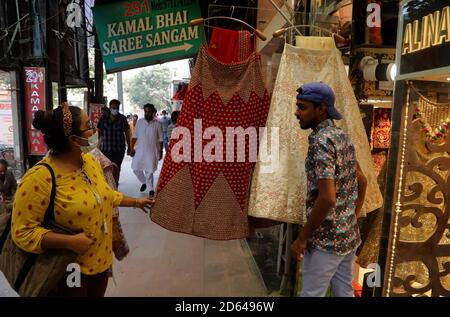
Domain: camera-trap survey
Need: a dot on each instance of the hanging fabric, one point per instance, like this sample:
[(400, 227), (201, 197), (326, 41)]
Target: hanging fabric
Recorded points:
[(379, 161), (381, 136), (280, 194), (315, 42), (210, 199), (230, 46)]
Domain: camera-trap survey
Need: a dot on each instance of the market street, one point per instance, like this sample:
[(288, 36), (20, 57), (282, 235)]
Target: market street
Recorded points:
[(165, 263)]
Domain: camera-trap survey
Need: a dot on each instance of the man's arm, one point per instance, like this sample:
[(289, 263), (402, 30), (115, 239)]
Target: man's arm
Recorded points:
[(133, 143), (127, 136), (362, 187), (129, 147), (324, 202), (160, 150), (135, 137), (100, 127), (161, 140)]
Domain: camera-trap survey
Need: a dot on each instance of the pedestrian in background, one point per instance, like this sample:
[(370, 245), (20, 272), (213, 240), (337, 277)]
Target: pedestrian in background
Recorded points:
[(114, 131), (149, 133), (173, 122), (8, 183), (165, 121)]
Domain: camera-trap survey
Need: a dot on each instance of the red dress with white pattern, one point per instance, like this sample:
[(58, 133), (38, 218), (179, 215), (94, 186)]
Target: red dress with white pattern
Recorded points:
[(200, 195)]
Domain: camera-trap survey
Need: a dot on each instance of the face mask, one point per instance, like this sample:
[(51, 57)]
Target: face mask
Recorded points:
[(93, 142), (114, 112), (148, 118)]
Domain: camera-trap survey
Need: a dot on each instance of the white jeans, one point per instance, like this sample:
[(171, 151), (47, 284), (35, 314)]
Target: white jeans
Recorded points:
[(145, 177), (320, 269)]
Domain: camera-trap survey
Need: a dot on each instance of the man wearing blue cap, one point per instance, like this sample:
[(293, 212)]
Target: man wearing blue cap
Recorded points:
[(335, 194)]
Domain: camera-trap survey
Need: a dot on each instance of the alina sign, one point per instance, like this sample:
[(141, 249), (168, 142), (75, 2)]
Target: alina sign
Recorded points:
[(424, 44), (140, 33), (432, 30)]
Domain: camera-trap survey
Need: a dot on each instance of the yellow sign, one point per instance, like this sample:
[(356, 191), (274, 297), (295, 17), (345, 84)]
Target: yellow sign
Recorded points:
[(432, 30)]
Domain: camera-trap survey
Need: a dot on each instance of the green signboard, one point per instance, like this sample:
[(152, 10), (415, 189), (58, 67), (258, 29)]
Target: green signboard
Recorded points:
[(139, 33)]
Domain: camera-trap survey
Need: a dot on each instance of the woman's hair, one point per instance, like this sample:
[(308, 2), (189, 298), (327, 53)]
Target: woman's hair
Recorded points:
[(51, 124)]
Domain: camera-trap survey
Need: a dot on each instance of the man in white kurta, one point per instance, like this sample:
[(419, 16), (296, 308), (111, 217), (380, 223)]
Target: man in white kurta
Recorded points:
[(149, 149)]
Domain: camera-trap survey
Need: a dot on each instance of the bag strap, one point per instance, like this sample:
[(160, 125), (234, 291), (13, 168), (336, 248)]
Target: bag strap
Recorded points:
[(5, 233), (49, 216), (50, 212)]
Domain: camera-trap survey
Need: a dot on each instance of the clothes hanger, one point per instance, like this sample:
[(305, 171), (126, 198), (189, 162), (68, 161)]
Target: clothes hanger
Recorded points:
[(199, 21), (282, 31)]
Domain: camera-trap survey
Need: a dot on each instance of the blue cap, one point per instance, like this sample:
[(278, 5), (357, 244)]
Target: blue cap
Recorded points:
[(318, 92)]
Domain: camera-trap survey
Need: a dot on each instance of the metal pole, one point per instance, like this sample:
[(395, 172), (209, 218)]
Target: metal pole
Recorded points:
[(120, 90), (98, 72), (288, 20), (62, 92)]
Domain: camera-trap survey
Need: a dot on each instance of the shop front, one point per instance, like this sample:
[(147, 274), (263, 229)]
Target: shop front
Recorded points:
[(415, 239), (11, 148)]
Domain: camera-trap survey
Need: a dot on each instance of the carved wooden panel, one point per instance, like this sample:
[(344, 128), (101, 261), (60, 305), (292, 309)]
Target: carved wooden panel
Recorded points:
[(419, 257)]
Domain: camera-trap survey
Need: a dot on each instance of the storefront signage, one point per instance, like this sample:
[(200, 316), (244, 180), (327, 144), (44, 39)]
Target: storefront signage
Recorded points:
[(140, 33), (432, 30), (6, 125), (34, 101), (424, 43)]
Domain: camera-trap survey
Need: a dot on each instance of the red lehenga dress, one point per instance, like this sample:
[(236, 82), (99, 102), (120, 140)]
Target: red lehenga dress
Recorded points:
[(200, 197)]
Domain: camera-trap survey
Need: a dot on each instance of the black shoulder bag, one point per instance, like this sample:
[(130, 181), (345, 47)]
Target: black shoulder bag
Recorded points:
[(28, 273)]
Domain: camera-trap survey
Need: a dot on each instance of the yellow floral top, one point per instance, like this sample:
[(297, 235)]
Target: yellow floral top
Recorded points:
[(84, 202)]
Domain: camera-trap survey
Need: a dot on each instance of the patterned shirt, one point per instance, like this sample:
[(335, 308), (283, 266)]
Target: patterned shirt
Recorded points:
[(114, 133), (331, 155)]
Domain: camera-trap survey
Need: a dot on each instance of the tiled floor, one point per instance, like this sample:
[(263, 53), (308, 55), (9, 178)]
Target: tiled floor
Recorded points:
[(164, 263)]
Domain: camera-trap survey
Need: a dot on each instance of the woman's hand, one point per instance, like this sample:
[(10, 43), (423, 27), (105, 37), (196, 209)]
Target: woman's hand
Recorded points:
[(144, 203), (80, 243)]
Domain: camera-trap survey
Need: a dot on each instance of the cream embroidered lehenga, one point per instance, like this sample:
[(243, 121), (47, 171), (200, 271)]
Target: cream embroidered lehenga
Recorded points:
[(278, 192)]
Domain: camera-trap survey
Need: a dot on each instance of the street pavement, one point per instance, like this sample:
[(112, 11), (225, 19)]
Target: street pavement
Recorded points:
[(165, 263)]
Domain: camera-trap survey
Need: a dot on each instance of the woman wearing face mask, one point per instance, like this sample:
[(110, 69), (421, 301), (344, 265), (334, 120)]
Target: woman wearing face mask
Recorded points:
[(84, 201)]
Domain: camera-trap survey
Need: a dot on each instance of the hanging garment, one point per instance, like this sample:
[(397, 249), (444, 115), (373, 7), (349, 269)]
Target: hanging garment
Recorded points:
[(367, 118), (278, 190), (315, 42), (198, 195), (370, 226), (381, 136), (229, 46), (379, 161)]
